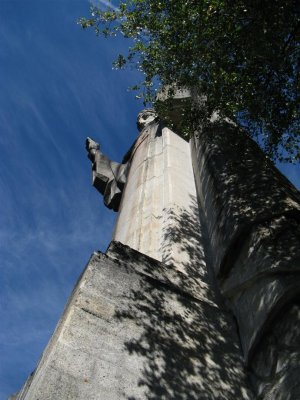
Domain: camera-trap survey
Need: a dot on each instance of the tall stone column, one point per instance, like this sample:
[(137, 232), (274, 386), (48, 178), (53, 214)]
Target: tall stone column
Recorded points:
[(144, 320), (158, 214)]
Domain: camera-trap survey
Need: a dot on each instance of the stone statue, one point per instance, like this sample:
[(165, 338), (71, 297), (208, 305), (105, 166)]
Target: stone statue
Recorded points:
[(109, 177)]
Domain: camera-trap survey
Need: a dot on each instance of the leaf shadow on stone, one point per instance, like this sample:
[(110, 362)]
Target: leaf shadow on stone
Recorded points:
[(238, 187), (186, 347), (187, 231), (190, 348), (275, 367), (253, 215)]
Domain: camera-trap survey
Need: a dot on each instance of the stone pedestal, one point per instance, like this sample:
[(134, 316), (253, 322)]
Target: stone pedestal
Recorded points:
[(135, 328)]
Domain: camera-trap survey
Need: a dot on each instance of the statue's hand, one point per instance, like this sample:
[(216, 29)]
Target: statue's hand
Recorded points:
[(92, 147)]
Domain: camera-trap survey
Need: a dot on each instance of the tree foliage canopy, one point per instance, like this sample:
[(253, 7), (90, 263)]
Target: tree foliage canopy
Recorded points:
[(244, 55)]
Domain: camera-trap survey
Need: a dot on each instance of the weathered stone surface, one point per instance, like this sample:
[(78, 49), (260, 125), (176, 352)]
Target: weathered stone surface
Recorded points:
[(180, 99), (166, 273), (271, 247), (264, 278), (256, 307), (237, 187), (126, 335), (252, 214), (275, 366), (159, 211)]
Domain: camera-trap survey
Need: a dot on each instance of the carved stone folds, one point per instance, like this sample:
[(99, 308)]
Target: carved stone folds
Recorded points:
[(252, 214)]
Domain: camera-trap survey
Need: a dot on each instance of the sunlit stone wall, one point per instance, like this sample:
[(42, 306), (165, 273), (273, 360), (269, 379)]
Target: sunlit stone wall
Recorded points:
[(159, 211)]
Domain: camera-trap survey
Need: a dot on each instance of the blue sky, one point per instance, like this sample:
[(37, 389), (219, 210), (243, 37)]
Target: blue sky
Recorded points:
[(57, 87)]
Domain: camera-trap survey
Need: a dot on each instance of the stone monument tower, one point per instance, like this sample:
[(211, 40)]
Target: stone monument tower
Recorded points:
[(197, 296)]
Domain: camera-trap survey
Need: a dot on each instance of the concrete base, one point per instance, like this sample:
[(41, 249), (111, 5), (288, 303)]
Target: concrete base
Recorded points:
[(135, 329)]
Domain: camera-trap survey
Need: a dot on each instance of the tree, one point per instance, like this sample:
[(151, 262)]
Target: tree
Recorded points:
[(243, 55)]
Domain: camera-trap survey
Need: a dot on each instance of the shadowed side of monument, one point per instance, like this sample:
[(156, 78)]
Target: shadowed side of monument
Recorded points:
[(126, 334), (253, 220)]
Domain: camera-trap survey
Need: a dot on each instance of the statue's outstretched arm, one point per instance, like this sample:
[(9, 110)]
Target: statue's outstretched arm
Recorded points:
[(109, 177)]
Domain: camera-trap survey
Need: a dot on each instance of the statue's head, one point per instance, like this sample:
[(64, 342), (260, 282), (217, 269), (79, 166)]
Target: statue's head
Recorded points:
[(145, 117)]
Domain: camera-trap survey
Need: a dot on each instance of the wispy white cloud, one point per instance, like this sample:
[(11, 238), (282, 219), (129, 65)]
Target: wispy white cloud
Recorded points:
[(55, 93), (106, 3)]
